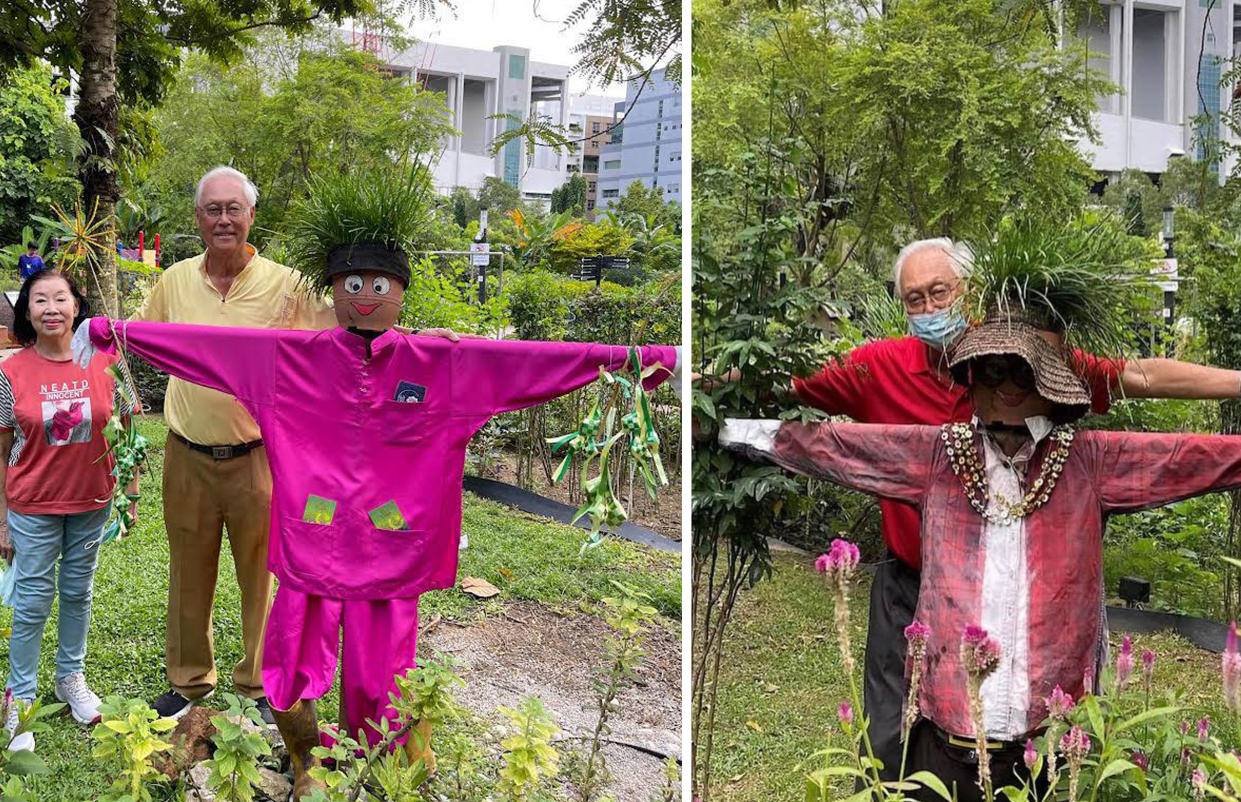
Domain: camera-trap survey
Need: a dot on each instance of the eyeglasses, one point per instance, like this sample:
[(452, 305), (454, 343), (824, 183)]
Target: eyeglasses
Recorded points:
[(940, 295), (235, 211), (995, 369)]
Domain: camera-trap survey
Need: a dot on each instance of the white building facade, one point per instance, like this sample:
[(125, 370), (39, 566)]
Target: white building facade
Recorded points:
[(646, 146), (478, 85), (1167, 57)]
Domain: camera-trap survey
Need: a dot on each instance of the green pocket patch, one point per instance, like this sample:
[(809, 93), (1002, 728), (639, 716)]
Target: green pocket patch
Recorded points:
[(319, 510), (388, 517)]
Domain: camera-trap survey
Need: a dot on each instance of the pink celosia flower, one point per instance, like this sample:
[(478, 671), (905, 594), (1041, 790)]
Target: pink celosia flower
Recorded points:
[(917, 632), (980, 653), (1199, 780), (1204, 728), (1088, 681), (1031, 755), (822, 563), (1075, 743), (845, 713), (1124, 663), (1059, 704), (1148, 662), (1232, 671), (1139, 759)]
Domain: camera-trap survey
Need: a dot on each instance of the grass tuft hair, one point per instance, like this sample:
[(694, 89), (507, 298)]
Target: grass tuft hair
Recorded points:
[(1084, 279), (393, 207)]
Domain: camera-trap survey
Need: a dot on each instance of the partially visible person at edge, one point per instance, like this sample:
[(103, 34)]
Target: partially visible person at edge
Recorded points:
[(216, 475), (906, 381), (29, 262), (52, 416)]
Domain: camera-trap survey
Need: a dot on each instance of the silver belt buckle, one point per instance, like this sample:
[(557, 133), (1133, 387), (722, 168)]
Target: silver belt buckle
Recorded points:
[(221, 452)]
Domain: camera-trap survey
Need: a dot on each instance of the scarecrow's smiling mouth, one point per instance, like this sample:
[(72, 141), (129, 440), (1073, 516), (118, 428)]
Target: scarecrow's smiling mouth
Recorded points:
[(365, 309)]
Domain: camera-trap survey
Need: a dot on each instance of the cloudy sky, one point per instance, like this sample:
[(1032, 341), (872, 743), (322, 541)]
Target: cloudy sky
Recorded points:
[(536, 24)]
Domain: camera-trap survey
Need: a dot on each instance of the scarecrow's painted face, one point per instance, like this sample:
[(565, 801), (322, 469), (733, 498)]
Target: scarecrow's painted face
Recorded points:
[(367, 300), (1003, 390)]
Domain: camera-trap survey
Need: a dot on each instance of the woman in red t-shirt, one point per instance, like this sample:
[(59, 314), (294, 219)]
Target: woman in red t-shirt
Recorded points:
[(55, 490)]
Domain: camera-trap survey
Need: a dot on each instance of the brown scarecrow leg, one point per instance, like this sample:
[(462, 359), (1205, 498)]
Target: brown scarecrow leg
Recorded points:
[(299, 726), (418, 745)]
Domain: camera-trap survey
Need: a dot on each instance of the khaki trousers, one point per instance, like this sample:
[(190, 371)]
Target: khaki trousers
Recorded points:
[(203, 497)]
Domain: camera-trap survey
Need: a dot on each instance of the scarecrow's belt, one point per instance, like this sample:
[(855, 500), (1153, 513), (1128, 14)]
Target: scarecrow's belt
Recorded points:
[(221, 452)]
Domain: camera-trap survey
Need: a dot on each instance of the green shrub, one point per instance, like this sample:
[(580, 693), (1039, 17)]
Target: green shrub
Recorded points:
[(434, 300)]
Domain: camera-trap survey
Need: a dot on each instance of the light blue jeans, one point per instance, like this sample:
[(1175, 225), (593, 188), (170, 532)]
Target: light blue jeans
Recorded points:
[(38, 541)]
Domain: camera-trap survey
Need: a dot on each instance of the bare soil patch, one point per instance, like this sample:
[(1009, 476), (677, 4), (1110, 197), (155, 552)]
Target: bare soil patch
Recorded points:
[(531, 650)]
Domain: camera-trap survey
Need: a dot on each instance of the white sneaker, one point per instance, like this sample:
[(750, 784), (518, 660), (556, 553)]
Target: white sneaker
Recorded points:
[(82, 701), (25, 741)]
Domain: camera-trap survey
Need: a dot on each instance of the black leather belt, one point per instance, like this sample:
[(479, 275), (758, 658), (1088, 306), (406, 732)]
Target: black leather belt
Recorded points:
[(961, 742), (220, 452)]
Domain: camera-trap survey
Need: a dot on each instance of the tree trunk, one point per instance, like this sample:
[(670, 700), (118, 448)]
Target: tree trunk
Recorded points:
[(96, 117)]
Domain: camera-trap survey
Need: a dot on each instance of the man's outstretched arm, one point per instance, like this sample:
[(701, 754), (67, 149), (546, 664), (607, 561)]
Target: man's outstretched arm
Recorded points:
[(1171, 378)]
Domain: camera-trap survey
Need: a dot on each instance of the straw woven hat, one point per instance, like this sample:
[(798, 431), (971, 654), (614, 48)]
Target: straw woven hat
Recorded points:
[(1039, 346)]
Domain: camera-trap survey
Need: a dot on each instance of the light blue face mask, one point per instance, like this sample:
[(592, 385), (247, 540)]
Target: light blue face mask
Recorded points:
[(937, 329)]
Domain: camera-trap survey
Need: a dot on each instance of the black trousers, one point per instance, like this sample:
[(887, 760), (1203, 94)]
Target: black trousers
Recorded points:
[(929, 750), (893, 602)]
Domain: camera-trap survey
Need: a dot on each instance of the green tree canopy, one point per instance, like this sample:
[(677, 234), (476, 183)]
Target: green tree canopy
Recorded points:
[(642, 201), (37, 150), (571, 196), (281, 116)]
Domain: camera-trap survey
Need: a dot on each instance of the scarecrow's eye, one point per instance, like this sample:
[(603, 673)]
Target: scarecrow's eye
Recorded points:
[(353, 284), (381, 285)]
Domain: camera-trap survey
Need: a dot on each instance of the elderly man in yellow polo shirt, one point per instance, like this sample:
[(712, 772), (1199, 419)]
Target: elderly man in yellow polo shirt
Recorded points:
[(215, 469)]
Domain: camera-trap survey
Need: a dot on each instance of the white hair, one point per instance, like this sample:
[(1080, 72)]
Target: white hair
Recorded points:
[(960, 257), (247, 186)]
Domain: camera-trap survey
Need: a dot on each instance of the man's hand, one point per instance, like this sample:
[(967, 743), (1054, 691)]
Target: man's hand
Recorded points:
[(447, 334), (81, 346), (6, 544)]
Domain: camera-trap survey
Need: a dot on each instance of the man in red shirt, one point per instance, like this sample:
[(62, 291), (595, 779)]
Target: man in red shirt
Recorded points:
[(906, 381)]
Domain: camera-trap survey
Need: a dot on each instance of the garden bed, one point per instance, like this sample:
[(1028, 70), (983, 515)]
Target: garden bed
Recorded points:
[(781, 682), (533, 562)]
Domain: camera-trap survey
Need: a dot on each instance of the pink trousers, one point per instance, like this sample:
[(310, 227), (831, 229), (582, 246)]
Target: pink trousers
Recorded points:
[(300, 648)]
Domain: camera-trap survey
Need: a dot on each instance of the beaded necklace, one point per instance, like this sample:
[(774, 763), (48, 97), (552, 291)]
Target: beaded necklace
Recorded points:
[(966, 464)]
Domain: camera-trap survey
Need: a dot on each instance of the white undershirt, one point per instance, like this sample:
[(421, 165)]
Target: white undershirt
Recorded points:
[(1006, 589)]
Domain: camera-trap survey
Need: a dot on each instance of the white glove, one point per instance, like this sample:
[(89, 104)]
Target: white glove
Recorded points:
[(81, 346), (675, 379)]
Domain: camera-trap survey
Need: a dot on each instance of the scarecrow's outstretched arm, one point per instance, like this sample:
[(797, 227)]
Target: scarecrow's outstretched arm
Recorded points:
[(236, 361), (889, 461), (493, 376), (1141, 470)]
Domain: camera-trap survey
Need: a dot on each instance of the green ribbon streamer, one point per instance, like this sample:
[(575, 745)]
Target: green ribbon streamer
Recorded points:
[(601, 504)]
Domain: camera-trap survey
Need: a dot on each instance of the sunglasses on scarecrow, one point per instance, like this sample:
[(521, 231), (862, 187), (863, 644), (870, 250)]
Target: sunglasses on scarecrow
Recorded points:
[(995, 369)]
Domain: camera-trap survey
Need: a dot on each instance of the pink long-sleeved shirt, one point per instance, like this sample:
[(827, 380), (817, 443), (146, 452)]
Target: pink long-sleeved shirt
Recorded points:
[(366, 488)]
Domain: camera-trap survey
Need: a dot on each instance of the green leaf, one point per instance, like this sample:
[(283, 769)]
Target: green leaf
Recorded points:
[(929, 780), (1146, 715), (24, 763), (1117, 766)]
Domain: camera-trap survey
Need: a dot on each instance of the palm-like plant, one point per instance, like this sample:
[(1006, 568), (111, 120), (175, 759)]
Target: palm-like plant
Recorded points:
[(537, 235)]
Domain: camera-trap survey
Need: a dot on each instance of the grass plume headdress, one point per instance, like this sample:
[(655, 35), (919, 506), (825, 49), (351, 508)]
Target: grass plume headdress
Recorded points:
[(1080, 280), (365, 220)]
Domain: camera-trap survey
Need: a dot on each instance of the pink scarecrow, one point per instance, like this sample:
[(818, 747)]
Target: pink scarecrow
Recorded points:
[(366, 432)]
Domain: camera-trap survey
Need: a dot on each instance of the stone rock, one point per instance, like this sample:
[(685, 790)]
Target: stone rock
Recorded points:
[(248, 726), (191, 743), (196, 784), (274, 786)]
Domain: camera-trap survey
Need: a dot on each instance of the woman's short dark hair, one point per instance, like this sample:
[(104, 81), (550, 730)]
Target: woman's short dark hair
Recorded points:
[(31, 246), (23, 329)]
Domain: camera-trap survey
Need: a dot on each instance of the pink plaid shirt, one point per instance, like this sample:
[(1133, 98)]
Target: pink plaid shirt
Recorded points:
[(1106, 473)]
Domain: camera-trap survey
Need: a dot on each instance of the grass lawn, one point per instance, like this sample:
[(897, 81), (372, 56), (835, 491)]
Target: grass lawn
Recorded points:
[(781, 682), (528, 558)]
